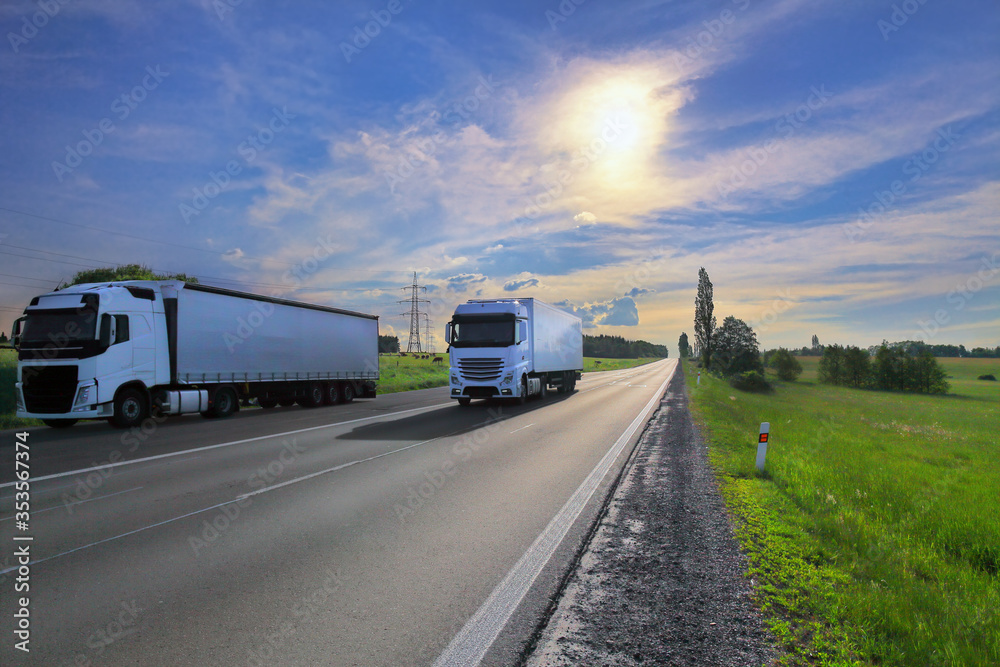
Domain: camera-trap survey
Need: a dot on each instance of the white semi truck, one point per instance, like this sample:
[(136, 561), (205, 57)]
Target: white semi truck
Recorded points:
[(120, 350), (512, 349)]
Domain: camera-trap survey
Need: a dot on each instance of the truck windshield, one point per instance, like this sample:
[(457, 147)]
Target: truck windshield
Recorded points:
[(59, 326), (482, 333)]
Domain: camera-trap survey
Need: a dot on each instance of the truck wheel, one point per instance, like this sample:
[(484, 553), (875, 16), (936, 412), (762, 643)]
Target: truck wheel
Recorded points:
[(347, 392), (332, 396), (267, 402), (131, 408), (314, 396), (224, 403), (543, 391), (524, 392), (59, 423), (464, 401)]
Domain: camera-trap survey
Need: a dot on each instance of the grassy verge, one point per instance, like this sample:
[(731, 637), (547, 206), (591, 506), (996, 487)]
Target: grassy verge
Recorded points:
[(874, 535), (8, 376)]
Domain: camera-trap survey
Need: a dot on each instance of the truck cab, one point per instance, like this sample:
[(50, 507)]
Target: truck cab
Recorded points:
[(78, 347)]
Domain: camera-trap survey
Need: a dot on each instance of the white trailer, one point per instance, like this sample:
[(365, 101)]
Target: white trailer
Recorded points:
[(513, 349), (119, 350)]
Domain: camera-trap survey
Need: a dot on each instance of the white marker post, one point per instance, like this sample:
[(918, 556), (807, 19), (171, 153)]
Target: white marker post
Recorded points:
[(765, 430), (698, 383)]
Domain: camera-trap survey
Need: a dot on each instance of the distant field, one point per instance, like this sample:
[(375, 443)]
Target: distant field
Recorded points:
[(874, 535), (591, 364), (396, 373)]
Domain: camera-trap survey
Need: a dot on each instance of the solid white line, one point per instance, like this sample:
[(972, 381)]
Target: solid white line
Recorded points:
[(472, 642), (225, 444), (523, 427), (78, 502)]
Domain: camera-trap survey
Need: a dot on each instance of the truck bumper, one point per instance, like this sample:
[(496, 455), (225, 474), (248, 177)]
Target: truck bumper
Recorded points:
[(481, 391), (100, 412)]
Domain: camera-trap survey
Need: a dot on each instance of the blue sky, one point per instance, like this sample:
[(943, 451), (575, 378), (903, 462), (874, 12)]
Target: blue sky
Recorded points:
[(832, 164)]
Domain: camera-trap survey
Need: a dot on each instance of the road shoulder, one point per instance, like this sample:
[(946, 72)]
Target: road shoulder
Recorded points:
[(662, 580)]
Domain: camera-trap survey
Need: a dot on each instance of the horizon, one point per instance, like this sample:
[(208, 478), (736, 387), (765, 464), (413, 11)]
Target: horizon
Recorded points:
[(834, 168)]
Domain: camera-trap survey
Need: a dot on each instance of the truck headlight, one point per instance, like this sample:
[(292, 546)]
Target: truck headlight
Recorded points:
[(84, 396), (508, 378), (454, 379)]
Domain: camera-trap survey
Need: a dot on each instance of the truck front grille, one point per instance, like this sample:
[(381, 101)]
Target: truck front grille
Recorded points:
[(480, 370), (48, 389)]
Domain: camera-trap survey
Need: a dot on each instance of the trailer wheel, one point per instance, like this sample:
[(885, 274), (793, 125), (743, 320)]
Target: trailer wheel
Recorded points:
[(347, 392), (59, 423), (332, 396), (267, 402), (224, 403), (314, 395), (131, 408)]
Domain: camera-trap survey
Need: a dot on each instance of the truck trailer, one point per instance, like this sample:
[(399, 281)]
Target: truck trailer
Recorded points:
[(120, 350), (512, 349)]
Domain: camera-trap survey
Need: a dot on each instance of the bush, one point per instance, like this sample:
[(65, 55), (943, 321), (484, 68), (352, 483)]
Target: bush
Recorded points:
[(988, 376), (735, 348), (750, 381), (787, 366)]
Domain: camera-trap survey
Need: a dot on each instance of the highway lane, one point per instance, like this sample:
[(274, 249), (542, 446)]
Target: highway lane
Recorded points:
[(354, 535)]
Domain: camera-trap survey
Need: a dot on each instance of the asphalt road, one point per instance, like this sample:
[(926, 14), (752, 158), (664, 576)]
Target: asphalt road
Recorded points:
[(399, 531)]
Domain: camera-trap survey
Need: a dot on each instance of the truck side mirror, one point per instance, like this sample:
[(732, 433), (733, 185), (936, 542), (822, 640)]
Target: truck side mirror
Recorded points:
[(107, 330), (447, 333), (15, 333)]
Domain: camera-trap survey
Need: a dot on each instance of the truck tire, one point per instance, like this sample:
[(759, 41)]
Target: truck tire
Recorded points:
[(332, 395), (224, 403), (347, 392), (465, 401), (59, 423), (313, 395), (267, 402), (131, 408), (524, 392)]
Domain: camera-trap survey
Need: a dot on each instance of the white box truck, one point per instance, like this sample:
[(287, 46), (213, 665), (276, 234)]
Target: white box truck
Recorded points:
[(512, 349), (119, 350)]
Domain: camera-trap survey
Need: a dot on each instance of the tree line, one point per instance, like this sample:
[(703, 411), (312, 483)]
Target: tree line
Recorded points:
[(617, 347), (890, 368)]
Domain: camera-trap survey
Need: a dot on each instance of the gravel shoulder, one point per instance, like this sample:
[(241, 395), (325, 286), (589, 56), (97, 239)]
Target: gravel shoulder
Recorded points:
[(662, 580)]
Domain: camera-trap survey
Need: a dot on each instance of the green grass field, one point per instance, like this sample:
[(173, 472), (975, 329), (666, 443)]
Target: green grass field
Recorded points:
[(874, 535), (396, 374)]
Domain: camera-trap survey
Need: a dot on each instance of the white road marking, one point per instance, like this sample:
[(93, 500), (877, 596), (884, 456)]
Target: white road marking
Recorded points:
[(523, 427), (225, 444), (472, 642), (77, 502)]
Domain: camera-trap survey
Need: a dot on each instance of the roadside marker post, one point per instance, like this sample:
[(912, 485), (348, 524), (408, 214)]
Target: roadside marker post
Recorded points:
[(698, 383), (765, 431)]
